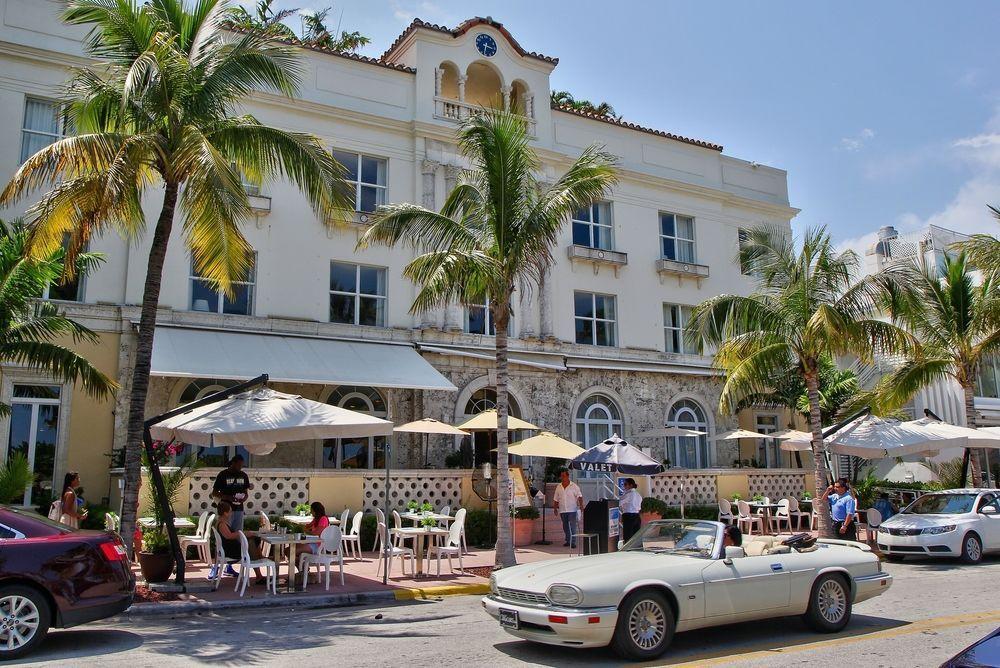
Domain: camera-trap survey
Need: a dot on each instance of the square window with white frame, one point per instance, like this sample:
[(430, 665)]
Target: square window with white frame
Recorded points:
[(357, 294), (593, 227), (480, 319), (44, 123), (675, 319), (677, 238), (207, 297), (768, 449), (595, 318), (366, 178)]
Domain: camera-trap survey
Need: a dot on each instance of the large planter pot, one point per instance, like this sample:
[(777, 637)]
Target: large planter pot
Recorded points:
[(524, 532), (646, 518), (156, 567)]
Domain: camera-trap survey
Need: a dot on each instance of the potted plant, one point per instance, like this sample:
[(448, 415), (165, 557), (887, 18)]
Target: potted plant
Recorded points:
[(412, 506), (302, 509), (737, 497), (524, 525), (757, 498), (155, 561), (426, 508), (652, 509)]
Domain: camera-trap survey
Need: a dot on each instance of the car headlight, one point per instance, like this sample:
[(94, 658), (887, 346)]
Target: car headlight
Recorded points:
[(563, 594), (936, 530), (493, 583), (882, 530)]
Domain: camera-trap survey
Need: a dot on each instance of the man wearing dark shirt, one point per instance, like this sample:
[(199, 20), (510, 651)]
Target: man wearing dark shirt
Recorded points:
[(231, 485)]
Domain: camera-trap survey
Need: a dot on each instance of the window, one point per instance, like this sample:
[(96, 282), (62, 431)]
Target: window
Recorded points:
[(988, 379), (9, 533), (34, 431), (217, 455), (359, 452), (357, 294), (595, 318), (44, 123), (592, 227), (677, 237), (596, 420), (484, 442), (768, 452), (479, 320), (366, 180), (205, 296), (690, 452), (675, 319)]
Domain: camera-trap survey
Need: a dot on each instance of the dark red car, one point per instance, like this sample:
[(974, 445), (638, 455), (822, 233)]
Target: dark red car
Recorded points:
[(52, 576)]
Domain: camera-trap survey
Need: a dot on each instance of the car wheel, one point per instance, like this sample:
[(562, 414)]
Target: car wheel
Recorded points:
[(829, 604), (972, 549), (24, 620), (645, 626)]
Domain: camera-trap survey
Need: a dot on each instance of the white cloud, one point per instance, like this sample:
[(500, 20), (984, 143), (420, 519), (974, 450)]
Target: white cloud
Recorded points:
[(857, 142), (406, 10)]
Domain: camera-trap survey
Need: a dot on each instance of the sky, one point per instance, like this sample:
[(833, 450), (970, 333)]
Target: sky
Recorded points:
[(882, 113)]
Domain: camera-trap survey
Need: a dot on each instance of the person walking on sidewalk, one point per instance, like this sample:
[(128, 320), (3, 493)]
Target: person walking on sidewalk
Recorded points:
[(630, 505), (568, 500)]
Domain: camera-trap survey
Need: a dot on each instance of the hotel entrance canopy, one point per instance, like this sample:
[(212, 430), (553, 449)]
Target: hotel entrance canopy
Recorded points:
[(185, 352)]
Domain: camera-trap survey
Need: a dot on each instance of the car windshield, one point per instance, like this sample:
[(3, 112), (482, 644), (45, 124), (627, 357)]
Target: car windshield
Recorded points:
[(941, 504), (689, 537)]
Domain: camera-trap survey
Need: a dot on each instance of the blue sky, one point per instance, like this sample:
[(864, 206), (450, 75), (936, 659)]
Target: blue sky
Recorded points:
[(882, 113)]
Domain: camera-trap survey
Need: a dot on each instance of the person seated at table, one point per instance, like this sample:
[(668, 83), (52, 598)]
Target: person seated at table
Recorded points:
[(319, 522), (884, 506), (731, 536), (231, 544)]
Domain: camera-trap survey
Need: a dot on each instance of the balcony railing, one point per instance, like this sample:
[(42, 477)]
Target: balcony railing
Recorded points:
[(448, 109), (681, 270), (598, 257)]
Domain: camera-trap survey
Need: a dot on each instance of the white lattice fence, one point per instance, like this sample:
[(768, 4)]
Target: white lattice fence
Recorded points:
[(695, 487), (273, 494), (776, 485), (438, 490)]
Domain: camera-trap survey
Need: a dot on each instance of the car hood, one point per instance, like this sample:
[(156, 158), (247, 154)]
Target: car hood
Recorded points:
[(903, 521)]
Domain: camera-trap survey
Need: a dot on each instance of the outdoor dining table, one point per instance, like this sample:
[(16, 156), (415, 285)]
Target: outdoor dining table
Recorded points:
[(292, 541), (419, 535), (768, 509), (179, 522), (303, 520), (416, 518)]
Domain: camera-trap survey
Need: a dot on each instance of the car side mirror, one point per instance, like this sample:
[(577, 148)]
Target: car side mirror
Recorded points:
[(733, 552), (988, 510)]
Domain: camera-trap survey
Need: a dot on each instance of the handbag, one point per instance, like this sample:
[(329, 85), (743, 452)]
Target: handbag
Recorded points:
[(55, 510)]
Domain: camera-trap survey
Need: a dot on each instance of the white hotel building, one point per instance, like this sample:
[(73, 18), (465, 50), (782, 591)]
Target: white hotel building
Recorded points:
[(596, 349)]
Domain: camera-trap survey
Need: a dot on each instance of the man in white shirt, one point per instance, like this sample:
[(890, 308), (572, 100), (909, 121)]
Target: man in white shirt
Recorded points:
[(630, 504), (568, 500)]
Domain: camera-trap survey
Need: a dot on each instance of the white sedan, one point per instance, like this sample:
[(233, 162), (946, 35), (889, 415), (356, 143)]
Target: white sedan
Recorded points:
[(962, 523), (675, 575)]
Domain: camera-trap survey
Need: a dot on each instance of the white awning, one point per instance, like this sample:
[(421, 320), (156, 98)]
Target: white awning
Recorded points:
[(208, 353)]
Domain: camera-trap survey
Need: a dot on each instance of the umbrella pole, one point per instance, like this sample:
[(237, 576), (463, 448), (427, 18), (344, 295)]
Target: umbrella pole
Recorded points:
[(385, 511)]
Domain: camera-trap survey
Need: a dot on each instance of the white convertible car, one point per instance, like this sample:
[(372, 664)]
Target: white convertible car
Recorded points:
[(962, 523), (674, 575)]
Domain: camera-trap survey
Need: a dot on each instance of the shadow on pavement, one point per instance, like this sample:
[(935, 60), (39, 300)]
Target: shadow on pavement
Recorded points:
[(943, 564), (703, 644), (82, 643)]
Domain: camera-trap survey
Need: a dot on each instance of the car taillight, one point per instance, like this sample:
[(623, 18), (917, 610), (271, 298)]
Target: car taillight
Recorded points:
[(113, 551)]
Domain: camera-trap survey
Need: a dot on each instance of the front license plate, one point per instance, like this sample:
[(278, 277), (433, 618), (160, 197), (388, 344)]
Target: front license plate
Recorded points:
[(509, 619)]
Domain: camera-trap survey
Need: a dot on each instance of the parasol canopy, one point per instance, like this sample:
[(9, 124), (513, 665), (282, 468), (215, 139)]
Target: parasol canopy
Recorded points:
[(429, 426), (977, 438), (793, 440), (872, 437), (616, 456), (668, 432), (487, 421), (546, 444), (735, 434)]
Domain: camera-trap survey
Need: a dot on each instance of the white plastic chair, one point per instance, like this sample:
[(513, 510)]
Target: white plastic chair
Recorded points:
[(112, 522), (453, 546), (394, 551), (344, 516), (780, 515), (726, 511), (398, 537), (379, 519), (329, 551), (199, 540), (795, 511), (748, 519), (352, 538), (220, 556), (873, 517), (247, 565), (445, 522)]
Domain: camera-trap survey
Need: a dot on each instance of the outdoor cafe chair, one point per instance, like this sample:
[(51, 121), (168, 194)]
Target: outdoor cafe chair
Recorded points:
[(247, 565), (453, 546), (748, 519), (873, 517), (352, 538), (379, 519), (220, 556), (780, 515), (392, 552), (446, 510), (200, 538), (329, 551), (344, 516), (112, 522), (795, 511), (398, 537), (726, 511)]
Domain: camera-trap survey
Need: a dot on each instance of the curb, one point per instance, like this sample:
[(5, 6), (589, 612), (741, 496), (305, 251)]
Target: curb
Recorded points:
[(139, 610), (414, 593)]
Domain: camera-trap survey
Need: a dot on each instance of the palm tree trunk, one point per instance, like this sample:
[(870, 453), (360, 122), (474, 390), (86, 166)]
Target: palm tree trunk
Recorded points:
[(969, 391), (143, 358), (505, 543), (825, 526)]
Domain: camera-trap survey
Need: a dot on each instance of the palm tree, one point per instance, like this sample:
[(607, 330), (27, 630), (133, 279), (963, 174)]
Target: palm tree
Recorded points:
[(32, 332), (983, 250), (806, 308), (158, 115), (315, 33), (958, 326), (494, 235), (561, 98), (264, 19)]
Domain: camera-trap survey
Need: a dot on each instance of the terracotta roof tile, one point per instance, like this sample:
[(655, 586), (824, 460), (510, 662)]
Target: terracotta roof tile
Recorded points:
[(639, 128), (463, 28)]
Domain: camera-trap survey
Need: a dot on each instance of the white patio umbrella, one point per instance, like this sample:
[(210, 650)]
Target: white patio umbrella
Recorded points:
[(988, 437), (872, 437), (736, 434), (668, 432), (793, 440), (545, 444), (428, 426)]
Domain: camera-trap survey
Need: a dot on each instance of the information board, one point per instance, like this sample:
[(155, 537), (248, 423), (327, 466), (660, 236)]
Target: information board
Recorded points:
[(614, 522), (518, 488)]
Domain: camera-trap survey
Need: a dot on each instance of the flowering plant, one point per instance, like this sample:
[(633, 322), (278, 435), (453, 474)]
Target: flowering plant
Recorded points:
[(163, 452)]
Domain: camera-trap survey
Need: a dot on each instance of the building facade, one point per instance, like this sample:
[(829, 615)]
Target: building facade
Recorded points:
[(597, 345)]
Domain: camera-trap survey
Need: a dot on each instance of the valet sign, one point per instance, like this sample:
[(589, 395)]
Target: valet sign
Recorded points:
[(597, 467)]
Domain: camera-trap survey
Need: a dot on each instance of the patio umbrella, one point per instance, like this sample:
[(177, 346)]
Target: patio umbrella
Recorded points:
[(546, 444), (428, 426), (616, 456), (988, 437), (872, 437), (736, 434), (668, 432), (793, 440), (487, 421)]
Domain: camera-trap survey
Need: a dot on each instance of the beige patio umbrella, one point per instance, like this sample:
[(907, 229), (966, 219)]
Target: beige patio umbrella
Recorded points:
[(873, 437), (545, 444), (988, 437), (668, 432), (428, 426), (736, 434), (793, 440), (487, 421)]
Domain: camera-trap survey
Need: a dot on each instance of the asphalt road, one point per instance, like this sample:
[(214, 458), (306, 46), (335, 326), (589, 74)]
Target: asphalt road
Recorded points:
[(933, 610)]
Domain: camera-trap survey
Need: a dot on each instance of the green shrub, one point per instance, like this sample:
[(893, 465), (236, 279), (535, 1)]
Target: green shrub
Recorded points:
[(95, 517), (369, 527), (251, 523), (480, 527), (453, 460), (653, 505), (526, 513)]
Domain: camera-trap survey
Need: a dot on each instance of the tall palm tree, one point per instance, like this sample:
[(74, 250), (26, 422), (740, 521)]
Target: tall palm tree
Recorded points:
[(157, 114), (494, 235), (316, 33), (958, 326), (983, 250), (264, 18), (805, 308), (32, 332)]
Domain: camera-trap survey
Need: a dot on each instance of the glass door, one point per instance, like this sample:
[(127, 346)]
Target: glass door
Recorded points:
[(34, 431)]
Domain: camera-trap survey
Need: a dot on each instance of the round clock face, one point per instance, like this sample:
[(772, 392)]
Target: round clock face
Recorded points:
[(486, 45)]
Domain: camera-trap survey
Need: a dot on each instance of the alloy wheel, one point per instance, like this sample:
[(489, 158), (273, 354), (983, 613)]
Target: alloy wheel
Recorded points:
[(19, 619), (832, 601), (972, 548), (647, 624)]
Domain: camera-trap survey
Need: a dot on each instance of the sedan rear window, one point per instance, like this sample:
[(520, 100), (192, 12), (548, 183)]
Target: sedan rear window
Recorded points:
[(941, 504), (30, 523)]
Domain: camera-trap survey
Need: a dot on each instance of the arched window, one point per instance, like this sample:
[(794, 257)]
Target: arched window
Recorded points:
[(690, 452), (356, 453), (220, 455), (486, 399), (597, 418), (483, 442)]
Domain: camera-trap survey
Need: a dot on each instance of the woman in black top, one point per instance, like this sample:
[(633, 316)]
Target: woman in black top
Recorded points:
[(231, 543)]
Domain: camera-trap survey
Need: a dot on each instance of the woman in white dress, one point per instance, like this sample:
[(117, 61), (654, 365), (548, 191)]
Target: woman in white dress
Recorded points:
[(72, 512)]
